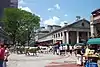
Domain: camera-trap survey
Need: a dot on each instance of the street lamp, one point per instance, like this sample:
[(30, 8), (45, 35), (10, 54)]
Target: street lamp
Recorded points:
[(28, 36)]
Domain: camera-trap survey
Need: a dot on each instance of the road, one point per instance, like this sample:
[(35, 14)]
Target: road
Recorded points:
[(42, 60)]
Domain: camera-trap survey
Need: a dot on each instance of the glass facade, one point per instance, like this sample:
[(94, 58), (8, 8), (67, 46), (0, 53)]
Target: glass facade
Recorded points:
[(14, 3)]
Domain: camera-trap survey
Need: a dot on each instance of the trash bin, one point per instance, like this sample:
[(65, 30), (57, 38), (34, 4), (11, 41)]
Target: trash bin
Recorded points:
[(91, 64)]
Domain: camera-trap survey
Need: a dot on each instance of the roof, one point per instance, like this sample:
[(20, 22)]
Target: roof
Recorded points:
[(68, 25), (95, 11), (72, 23)]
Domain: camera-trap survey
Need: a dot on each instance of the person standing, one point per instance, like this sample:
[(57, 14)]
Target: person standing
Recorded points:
[(2, 54)]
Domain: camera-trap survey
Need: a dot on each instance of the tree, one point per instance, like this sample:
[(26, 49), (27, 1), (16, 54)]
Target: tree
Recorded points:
[(16, 22)]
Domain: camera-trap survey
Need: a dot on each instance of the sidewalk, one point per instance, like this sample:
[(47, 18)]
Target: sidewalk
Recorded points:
[(31, 61), (68, 61), (42, 60), (65, 65)]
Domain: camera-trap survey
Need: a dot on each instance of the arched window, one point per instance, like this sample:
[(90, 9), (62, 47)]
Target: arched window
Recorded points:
[(82, 24)]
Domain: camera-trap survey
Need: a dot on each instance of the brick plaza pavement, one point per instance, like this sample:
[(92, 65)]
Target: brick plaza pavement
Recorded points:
[(43, 60)]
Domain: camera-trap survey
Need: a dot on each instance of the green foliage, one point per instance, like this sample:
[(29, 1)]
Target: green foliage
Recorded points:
[(16, 22)]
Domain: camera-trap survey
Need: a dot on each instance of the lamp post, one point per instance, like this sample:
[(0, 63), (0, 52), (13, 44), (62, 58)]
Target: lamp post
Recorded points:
[(28, 36)]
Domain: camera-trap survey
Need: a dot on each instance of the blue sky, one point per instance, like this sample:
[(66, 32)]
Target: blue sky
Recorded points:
[(59, 11)]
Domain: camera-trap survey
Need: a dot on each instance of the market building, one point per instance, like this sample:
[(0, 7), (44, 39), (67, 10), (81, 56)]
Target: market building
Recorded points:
[(43, 31), (72, 33)]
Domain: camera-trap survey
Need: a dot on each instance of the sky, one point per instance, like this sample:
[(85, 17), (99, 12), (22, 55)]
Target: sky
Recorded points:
[(58, 12)]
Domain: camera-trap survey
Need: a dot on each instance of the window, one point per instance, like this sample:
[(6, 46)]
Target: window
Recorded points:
[(58, 34), (82, 24), (54, 36)]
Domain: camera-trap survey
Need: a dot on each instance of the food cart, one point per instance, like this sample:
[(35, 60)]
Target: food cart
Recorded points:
[(92, 54)]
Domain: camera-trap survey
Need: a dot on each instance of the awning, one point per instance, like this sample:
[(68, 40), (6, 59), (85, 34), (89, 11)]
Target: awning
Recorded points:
[(94, 41), (63, 44), (80, 44)]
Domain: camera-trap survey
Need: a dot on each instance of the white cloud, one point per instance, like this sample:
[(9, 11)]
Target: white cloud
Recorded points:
[(25, 8), (20, 5), (62, 23), (41, 19), (21, 2), (57, 6), (52, 21), (66, 15), (29, 10), (49, 9), (37, 14)]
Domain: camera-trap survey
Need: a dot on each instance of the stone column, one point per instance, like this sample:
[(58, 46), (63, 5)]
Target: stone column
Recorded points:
[(67, 37), (92, 27), (88, 35), (77, 37), (63, 37), (93, 31)]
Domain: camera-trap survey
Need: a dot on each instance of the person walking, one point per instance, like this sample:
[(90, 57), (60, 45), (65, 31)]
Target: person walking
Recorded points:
[(6, 56), (70, 48), (79, 57), (82, 53), (54, 50), (2, 54)]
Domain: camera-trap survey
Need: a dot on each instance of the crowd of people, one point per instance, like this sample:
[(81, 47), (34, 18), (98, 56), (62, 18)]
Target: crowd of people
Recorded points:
[(4, 53), (64, 50), (57, 49)]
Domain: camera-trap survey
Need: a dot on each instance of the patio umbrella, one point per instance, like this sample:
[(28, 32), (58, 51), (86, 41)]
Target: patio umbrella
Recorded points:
[(94, 41), (64, 44), (80, 44)]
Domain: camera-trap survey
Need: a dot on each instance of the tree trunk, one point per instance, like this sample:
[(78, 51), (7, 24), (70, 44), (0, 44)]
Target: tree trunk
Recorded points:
[(14, 39)]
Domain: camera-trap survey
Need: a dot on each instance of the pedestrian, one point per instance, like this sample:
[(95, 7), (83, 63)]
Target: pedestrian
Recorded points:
[(79, 57), (55, 49), (6, 56), (70, 47), (2, 54), (61, 48)]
